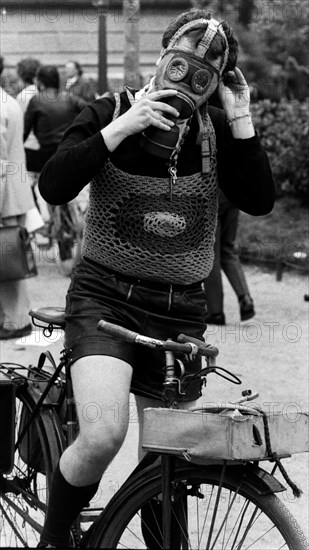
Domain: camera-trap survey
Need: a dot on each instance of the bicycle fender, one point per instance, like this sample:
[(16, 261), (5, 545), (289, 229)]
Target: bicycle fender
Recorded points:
[(261, 481), (246, 474)]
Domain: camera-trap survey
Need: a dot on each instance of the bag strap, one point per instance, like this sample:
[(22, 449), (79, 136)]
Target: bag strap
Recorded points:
[(116, 97), (46, 355)]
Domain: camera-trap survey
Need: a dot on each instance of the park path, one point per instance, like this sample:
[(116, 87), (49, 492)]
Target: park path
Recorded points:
[(269, 353)]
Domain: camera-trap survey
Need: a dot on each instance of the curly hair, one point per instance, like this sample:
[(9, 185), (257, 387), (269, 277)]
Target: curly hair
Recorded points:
[(27, 68), (218, 44)]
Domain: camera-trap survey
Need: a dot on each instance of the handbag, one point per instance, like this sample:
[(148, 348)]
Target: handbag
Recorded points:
[(16, 255)]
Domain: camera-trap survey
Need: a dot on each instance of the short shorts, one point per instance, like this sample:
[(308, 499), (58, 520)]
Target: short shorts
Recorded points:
[(154, 309)]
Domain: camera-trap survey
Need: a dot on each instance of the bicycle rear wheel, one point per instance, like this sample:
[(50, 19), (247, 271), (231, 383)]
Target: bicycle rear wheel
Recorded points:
[(24, 491), (204, 515)]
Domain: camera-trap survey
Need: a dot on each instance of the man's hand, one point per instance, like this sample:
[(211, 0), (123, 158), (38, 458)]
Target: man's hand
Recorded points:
[(148, 111), (235, 99), (234, 94)]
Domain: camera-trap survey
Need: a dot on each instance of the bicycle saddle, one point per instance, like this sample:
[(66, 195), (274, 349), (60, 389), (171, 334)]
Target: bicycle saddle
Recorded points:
[(49, 315)]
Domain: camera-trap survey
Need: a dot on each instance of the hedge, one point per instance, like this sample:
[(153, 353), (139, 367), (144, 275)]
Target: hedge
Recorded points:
[(284, 131)]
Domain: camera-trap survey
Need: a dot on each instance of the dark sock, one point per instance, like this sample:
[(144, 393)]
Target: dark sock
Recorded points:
[(65, 503)]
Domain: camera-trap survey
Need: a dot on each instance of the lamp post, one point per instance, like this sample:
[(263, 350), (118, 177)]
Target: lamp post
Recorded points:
[(131, 16), (102, 6)]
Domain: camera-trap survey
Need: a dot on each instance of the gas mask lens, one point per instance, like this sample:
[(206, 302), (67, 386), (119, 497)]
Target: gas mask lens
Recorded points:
[(201, 80), (177, 69), (198, 79)]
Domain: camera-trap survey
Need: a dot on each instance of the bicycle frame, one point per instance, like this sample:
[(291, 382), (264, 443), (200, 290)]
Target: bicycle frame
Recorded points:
[(248, 473)]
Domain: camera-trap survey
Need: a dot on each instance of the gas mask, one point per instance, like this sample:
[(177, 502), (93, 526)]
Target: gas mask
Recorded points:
[(184, 68)]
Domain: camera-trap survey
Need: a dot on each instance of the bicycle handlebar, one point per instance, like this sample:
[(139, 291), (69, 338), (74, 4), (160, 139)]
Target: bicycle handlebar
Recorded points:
[(185, 344)]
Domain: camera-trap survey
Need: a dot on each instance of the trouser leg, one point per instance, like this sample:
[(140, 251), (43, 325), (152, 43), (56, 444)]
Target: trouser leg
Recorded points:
[(230, 261), (213, 283)]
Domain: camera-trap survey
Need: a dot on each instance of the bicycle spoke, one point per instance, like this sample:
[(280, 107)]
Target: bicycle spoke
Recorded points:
[(13, 527), (23, 492), (240, 523)]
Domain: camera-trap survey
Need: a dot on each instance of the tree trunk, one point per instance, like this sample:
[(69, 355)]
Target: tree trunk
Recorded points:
[(131, 15)]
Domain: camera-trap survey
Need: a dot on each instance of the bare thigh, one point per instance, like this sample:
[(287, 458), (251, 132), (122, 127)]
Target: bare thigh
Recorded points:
[(101, 387)]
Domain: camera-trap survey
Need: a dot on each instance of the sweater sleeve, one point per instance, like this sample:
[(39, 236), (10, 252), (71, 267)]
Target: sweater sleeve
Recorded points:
[(245, 175), (29, 117), (81, 154)]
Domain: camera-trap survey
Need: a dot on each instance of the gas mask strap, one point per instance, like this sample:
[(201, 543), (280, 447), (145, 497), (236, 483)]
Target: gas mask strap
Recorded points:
[(172, 162), (204, 44), (204, 137), (196, 23), (213, 28), (131, 97)]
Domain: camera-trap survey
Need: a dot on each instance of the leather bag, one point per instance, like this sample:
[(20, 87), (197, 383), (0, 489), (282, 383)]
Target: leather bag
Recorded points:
[(16, 255)]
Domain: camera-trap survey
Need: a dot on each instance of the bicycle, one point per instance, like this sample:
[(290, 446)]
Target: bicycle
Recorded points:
[(64, 228), (168, 501)]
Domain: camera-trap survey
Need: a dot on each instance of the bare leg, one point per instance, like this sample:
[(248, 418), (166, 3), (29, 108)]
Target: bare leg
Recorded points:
[(101, 385)]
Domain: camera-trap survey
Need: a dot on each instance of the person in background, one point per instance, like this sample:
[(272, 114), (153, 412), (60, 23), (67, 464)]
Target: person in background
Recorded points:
[(226, 259), (15, 200), (77, 84), (50, 113), (26, 70)]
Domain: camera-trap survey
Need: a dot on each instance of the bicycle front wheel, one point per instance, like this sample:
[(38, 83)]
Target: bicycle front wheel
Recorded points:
[(24, 491), (206, 514)]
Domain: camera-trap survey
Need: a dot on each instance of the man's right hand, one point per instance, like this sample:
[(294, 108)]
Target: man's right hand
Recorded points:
[(147, 111)]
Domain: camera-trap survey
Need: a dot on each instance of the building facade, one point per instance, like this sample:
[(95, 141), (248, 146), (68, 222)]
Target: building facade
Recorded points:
[(58, 31)]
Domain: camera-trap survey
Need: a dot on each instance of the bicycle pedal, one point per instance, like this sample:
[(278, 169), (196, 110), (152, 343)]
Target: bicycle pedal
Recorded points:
[(90, 515)]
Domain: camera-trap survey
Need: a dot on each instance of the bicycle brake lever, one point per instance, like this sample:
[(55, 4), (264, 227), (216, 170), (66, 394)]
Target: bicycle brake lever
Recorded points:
[(193, 353)]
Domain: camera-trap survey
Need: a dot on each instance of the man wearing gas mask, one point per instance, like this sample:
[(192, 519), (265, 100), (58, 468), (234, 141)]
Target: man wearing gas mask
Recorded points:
[(156, 159)]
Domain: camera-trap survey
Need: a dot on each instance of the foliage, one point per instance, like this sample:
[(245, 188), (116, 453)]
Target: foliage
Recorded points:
[(283, 234), (284, 131), (275, 49)]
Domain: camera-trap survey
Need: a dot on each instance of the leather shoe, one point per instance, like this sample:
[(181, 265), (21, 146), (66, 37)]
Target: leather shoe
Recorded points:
[(246, 307), (215, 319), (6, 334)]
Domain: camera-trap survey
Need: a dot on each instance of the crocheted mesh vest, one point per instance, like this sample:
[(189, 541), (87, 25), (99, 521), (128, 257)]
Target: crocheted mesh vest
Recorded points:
[(133, 228)]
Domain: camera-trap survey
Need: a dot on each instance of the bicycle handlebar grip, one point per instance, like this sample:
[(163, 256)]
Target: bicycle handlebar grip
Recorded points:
[(118, 331), (204, 349)]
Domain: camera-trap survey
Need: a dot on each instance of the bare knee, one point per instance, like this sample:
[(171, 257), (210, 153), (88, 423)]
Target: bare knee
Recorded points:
[(99, 447)]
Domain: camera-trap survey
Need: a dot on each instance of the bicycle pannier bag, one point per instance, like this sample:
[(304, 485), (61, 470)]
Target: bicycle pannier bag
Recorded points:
[(16, 254), (30, 449), (230, 435), (7, 424)]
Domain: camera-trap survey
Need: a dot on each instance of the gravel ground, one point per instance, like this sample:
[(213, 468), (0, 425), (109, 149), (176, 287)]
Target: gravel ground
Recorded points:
[(269, 353)]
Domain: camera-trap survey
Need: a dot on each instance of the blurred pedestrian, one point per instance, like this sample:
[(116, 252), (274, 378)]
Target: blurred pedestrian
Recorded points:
[(227, 259), (26, 70), (77, 84), (15, 200), (50, 113)]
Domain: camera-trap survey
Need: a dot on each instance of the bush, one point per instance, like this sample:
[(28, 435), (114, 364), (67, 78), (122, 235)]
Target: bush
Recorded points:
[(284, 131)]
